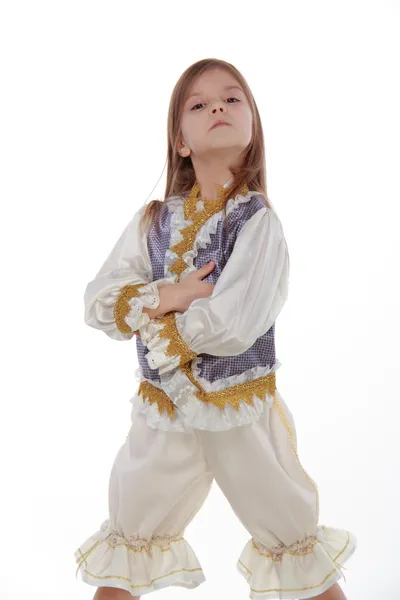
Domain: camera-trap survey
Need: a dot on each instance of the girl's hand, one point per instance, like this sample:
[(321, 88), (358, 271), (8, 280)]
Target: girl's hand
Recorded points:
[(192, 287), (179, 296)]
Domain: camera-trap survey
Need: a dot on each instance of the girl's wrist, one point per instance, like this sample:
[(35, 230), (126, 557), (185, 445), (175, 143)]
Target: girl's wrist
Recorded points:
[(169, 300), (174, 297), (168, 297)]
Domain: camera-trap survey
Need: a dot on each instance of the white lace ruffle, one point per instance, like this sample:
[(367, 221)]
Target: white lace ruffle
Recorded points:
[(150, 298), (293, 574), (137, 565), (203, 237), (157, 357), (191, 413), (220, 384), (154, 418), (197, 414)]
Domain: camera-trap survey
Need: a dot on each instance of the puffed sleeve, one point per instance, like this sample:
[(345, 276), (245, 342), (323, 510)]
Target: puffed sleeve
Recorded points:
[(245, 302), (115, 298)]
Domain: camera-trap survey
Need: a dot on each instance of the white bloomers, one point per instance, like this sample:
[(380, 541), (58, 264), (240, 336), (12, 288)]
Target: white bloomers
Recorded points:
[(289, 555)]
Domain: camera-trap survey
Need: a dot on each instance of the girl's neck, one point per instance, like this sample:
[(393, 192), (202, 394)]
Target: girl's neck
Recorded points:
[(209, 189)]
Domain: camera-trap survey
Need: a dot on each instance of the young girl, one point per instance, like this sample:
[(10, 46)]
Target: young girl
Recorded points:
[(200, 279)]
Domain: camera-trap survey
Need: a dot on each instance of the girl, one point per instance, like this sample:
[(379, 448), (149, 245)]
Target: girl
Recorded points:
[(200, 278)]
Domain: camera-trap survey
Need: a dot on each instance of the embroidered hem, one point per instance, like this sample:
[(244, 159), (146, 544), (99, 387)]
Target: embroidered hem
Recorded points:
[(137, 565), (303, 570)]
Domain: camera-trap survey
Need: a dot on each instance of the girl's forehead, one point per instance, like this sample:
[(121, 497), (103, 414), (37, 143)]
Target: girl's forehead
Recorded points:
[(211, 77), (201, 87)]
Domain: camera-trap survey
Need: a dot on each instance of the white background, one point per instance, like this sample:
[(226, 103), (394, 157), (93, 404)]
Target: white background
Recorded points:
[(85, 92)]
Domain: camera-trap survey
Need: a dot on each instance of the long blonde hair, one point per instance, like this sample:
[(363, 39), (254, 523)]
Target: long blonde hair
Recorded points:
[(180, 172)]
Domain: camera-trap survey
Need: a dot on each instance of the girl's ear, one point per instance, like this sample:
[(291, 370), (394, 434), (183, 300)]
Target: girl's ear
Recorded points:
[(183, 149)]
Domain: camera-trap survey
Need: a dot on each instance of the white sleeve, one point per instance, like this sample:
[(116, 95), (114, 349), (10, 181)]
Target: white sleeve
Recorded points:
[(244, 304), (115, 298)]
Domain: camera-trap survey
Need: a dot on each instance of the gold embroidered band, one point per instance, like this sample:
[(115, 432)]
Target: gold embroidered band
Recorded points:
[(122, 307), (298, 548), (235, 394), (155, 395), (231, 396), (198, 219), (137, 544), (177, 346)]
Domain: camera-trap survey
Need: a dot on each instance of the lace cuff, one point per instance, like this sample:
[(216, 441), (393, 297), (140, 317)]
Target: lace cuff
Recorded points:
[(167, 348), (128, 310)]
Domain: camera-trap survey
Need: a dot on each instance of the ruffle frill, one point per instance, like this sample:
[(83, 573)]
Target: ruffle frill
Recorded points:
[(203, 237), (149, 297), (193, 413), (303, 570), (137, 565)]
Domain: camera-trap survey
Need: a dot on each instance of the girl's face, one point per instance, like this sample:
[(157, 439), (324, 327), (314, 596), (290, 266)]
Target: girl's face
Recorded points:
[(212, 98)]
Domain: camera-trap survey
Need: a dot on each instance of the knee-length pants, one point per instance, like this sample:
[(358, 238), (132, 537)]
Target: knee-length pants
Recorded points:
[(160, 480)]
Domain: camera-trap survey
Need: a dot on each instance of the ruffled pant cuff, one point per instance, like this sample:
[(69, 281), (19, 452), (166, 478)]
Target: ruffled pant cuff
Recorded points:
[(303, 570), (105, 560)]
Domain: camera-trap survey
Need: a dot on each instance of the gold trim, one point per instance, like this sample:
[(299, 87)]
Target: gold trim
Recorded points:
[(137, 544), (341, 552), (142, 584), (155, 395), (298, 548), (122, 307), (234, 394), (280, 410), (198, 219), (176, 346), (309, 587), (231, 396), (163, 549), (277, 552), (85, 555)]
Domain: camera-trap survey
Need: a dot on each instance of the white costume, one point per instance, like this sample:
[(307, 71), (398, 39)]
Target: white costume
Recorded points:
[(207, 407)]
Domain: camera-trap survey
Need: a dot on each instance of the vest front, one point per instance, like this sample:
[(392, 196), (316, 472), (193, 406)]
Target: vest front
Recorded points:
[(219, 248)]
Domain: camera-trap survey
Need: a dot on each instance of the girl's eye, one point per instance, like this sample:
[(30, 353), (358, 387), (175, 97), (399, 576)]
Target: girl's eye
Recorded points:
[(200, 103)]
